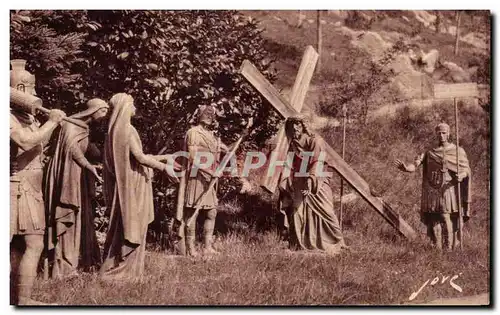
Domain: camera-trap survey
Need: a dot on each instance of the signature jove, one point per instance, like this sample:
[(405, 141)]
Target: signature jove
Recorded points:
[(435, 281)]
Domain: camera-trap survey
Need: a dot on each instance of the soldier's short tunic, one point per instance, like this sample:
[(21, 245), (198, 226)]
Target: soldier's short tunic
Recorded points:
[(206, 142), (27, 212), (439, 183)]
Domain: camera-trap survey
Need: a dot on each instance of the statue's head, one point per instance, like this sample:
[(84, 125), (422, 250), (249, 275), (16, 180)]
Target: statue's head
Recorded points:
[(21, 79), (97, 109), (123, 101), (207, 115), (296, 126), (443, 132)]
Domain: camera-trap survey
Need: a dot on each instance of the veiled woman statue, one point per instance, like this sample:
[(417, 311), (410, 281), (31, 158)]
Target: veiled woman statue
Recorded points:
[(68, 189), (128, 191)]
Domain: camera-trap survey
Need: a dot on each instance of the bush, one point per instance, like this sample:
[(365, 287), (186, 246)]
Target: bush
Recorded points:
[(358, 20), (357, 88), (50, 41)]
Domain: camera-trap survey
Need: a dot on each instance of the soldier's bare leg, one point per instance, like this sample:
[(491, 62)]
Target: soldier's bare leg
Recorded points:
[(434, 231), (27, 269), (17, 246), (208, 231), (179, 234), (190, 231), (448, 230), (454, 221)]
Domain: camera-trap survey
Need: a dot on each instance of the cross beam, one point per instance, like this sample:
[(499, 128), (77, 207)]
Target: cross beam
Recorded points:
[(297, 97), (260, 83)]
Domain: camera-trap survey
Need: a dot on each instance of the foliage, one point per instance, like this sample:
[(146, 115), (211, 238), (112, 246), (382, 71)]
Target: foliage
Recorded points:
[(483, 75), (171, 62), (52, 51), (358, 20), (253, 267)]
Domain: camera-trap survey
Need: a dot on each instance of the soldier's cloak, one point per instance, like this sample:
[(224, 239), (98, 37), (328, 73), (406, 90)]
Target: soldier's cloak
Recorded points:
[(444, 160)]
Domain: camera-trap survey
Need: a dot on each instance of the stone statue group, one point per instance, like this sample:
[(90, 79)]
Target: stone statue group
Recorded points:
[(52, 184)]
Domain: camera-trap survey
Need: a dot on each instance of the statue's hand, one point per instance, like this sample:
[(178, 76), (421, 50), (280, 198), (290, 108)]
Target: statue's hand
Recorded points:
[(246, 186), (461, 176), (163, 157), (401, 166), (169, 169), (56, 115), (307, 191), (93, 170)]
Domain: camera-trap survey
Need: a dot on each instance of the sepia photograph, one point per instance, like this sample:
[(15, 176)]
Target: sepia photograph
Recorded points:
[(250, 158)]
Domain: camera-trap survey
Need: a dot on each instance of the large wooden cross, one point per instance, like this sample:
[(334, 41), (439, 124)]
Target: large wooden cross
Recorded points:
[(297, 97), (285, 109)]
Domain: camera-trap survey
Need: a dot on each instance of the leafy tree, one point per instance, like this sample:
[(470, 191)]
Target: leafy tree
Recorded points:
[(52, 49), (171, 62)]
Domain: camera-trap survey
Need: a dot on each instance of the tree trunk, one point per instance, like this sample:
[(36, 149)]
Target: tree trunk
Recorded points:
[(301, 19), (319, 43), (438, 22), (457, 33)]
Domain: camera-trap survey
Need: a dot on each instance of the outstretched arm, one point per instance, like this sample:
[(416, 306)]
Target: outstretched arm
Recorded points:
[(410, 168), (144, 159), (28, 139), (82, 161), (93, 154), (168, 158), (150, 161)]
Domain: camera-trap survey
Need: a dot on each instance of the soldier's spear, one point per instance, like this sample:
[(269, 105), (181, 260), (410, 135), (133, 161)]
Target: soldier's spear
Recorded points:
[(460, 238), (344, 115)]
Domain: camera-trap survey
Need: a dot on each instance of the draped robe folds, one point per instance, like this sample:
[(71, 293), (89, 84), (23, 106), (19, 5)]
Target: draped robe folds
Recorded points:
[(439, 184), (68, 192), (311, 220), (129, 195)]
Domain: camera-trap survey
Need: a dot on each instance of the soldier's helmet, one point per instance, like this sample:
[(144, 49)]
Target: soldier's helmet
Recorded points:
[(19, 75)]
